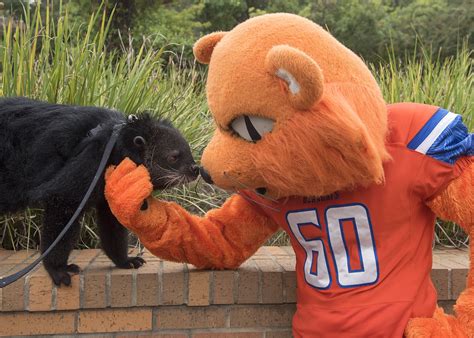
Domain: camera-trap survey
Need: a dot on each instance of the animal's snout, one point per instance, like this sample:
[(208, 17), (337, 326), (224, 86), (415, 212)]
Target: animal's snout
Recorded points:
[(205, 176)]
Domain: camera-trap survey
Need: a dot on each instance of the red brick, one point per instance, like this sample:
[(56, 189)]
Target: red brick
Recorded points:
[(12, 296), (261, 252), (272, 284), (114, 320), (84, 257), (180, 317), (289, 250), (223, 287), (279, 334), (262, 315), (4, 254), (248, 283), (458, 282), (224, 334), (447, 306), (67, 297), (153, 335), (40, 323), (19, 257), (440, 281), (173, 283), (289, 278), (276, 251), (95, 285), (198, 287), (148, 287), (40, 287), (121, 287)]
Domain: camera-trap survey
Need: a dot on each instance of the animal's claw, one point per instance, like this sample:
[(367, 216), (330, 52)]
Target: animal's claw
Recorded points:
[(132, 263), (73, 268)]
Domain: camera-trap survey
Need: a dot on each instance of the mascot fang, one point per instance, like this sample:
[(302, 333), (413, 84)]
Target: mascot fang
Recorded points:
[(305, 140)]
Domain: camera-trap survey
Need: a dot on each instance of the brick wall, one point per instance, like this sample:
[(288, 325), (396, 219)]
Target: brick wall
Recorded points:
[(167, 299)]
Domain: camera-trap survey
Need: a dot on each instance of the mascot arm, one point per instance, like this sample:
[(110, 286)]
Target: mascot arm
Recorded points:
[(223, 238), (455, 203)]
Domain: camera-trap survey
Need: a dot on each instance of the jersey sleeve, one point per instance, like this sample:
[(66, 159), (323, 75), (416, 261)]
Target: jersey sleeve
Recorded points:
[(446, 149)]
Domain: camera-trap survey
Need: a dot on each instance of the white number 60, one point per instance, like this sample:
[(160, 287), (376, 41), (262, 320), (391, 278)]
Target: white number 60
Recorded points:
[(315, 249)]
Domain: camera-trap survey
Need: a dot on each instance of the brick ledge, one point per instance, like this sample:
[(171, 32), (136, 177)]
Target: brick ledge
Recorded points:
[(173, 298)]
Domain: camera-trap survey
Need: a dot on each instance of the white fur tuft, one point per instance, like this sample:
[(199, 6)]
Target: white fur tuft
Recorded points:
[(286, 76)]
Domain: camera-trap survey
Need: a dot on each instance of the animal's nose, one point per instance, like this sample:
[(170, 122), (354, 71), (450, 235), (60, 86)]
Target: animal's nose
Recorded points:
[(195, 170), (205, 176)]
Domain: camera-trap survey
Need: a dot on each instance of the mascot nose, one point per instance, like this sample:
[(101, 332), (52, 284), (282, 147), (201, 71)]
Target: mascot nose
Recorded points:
[(205, 176)]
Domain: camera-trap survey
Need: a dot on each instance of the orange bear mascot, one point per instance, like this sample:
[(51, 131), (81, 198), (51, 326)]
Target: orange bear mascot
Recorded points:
[(305, 140)]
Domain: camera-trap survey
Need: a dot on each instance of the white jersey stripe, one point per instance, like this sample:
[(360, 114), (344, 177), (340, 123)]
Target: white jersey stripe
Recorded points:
[(431, 138)]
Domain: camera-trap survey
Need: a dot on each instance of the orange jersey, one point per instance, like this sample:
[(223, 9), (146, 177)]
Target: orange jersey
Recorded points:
[(363, 257)]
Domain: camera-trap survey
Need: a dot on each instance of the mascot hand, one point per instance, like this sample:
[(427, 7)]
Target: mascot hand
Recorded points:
[(127, 187), (440, 325), (223, 238)]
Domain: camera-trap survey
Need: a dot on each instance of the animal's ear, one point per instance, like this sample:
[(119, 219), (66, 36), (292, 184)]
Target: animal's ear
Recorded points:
[(300, 75), (204, 47)]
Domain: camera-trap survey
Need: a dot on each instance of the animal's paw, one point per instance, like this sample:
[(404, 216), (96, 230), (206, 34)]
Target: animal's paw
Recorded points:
[(132, 263), (63, 274)]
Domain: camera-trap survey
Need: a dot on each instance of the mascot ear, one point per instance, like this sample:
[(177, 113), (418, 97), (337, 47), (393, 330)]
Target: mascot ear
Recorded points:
[(301, 76), (204, 47)]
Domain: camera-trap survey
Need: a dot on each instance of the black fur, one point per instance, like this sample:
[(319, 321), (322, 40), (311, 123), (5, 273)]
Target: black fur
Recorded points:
[(49, 154)]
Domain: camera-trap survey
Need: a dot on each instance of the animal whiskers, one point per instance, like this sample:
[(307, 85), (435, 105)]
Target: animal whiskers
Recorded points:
[(171, 177)]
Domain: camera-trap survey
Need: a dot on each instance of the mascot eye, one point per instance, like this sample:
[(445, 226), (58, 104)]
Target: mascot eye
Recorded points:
[(251, 128)]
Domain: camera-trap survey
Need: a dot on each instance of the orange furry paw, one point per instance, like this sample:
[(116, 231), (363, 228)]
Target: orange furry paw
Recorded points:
[(440, 325), (126, 188)]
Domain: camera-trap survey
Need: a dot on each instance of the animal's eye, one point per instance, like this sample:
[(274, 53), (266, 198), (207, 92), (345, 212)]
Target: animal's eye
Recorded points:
[(251, 128), (139, 141)]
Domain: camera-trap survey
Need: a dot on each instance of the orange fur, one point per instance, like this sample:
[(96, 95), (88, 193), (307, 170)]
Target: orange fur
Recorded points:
[(303, 68), (203, 47), (440, 326)]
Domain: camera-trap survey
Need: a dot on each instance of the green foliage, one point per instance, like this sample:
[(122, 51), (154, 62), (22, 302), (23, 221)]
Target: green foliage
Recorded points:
[(223, 15), (369, 27), (175, 26)]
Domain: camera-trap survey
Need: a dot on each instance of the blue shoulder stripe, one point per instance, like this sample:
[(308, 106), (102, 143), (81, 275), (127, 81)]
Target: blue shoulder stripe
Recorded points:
[(444, 137), (427, 128)]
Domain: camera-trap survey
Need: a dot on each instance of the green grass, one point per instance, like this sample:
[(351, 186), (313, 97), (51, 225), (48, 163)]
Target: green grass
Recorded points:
[(60, 61)]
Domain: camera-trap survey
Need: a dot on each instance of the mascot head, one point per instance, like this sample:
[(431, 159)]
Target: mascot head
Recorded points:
[(296, 112)]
